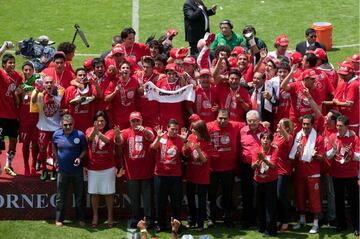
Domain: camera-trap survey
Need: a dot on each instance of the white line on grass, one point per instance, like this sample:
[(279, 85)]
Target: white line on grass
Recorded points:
[(346, 46)]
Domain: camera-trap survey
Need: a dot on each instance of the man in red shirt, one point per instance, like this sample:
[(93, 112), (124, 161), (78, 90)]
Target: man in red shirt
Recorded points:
[(148, 109), (134, 50), (225, 137), (347, 96), (205, 94), (139, 167), (249, 140), (10, 79), (343, 150), (79, 102), (307, 151), (61, 75), (233, 97), (167, 181)]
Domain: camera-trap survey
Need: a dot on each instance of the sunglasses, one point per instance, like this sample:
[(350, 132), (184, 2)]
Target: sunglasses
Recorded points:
[(67, 125), (313, 36)]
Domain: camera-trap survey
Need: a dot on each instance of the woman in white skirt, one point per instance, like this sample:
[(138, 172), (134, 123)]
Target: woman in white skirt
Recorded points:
[(101, 165)]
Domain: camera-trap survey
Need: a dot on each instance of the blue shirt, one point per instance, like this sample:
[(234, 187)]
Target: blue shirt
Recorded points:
[(68, 149)]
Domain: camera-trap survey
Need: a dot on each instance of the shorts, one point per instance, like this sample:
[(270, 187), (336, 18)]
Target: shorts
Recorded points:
[(101, 181), (28, 133), (44, 138), (9, 127)]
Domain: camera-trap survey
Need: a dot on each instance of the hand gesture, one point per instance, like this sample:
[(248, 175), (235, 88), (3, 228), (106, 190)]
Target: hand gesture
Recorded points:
[(159, 131), (294, 69), (263, 53), (140, 128), (96, 127), (175, 224), (260, 156), (214, 7), (142, 224), (184, 133), (266, 94), (77, 162), (222, 55), (117, 130)]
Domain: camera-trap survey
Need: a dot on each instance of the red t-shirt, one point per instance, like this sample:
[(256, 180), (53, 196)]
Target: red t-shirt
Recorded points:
[(123, 102), (197, 171), (27, 120), (349, 92), (225, 145), (342, 166), (283, 109), (227, 100), (168, 157), (148, 109), (283, 164), (103, 82), (300, 104), (170, 110), (263, 173), (82, 113), (139, 163), (137, 51), (249, 141), (305, 169), (101, 155), (8, 85), (248, 73), (204, 101), (64, 79)]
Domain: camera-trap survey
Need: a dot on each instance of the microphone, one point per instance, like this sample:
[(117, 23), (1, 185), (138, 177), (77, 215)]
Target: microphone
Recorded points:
[(83, 38)]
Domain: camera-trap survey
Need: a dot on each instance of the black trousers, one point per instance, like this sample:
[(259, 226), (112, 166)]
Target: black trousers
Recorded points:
[(247, 194), (197, 214), (226, 181), (352, 188), (266, 206)]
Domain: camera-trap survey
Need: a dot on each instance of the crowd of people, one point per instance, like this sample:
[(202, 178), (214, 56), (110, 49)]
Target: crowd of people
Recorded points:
[(275, 119)]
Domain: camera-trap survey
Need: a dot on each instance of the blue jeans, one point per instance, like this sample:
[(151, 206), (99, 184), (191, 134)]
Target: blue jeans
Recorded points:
[(63, 183), (167, 186)]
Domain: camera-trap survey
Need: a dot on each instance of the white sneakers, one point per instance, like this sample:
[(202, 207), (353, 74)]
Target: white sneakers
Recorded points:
[(314, 229), (299, 225)]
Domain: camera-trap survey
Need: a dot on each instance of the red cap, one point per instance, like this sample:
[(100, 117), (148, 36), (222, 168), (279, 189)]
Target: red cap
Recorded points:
[(135, 115), (309, 73), (296, 57), (205, 71), (345, 68), (273, 60), (179, 53), (356, 58), (320, 53), (233, 61), (237, 50), (171, 67), (189, 60), (88, 63), (194, 117), (117, 49), (282, 40)]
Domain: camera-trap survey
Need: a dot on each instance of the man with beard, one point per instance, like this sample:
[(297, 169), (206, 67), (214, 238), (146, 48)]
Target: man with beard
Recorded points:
[(48, 98)]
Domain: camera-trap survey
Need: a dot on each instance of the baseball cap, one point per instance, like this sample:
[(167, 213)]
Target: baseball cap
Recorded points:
[(179, 53), (189, 60), (345, 68), (356, 58), (309, 73), (135, 115), (296, 57), (320, 53), (282, 40), (117, 49), (237, 50), (205, 71), (88, 63), (170, 67)]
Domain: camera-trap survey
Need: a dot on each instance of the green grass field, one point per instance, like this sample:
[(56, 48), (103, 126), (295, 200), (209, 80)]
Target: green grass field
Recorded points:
[(47, 230), (100, 20)]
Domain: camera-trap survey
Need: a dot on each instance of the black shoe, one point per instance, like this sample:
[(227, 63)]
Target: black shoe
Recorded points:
[(356, 233), (340, 228), (267, 234), (229, 223), (332, 223)]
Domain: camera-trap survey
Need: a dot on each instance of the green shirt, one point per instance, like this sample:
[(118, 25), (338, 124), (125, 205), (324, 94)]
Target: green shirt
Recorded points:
[(221, 40)]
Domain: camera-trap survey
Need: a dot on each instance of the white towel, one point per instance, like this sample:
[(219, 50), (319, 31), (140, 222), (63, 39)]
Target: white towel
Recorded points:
[(309, 148)]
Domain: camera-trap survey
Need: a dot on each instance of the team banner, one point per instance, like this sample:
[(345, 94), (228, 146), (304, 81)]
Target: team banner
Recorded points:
[(186, 93)]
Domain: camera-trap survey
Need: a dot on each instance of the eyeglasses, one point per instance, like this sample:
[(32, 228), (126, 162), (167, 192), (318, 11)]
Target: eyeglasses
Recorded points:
[(67, 125), (313, 36)]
